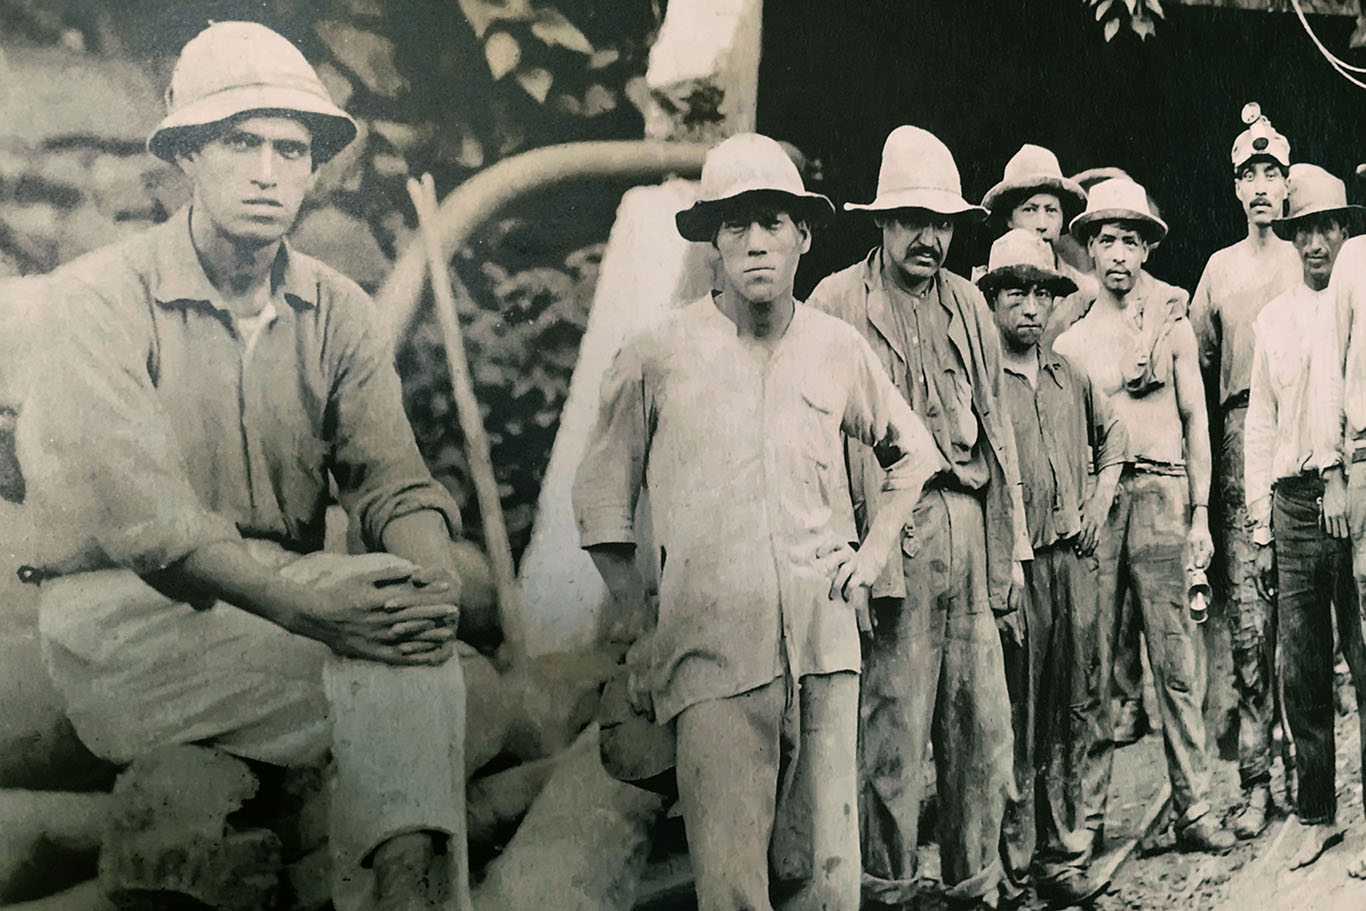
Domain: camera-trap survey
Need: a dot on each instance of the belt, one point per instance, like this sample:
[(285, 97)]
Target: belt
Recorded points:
[(1304, 482), (1237, 400)]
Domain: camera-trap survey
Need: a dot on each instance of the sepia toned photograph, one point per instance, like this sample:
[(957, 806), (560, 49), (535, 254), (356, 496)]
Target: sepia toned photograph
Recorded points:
[(682, 455)]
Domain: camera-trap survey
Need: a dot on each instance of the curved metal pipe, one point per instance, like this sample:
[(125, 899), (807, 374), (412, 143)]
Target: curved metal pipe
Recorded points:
[(474, 202)]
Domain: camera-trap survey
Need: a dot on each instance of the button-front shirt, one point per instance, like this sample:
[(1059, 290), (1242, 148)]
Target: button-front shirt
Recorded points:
[(1237, 283), (164, 422), (743, 455), (1064, 431), (1338, 376), (1279, 428)]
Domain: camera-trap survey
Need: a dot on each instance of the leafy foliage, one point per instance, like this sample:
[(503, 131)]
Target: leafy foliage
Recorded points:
[(1139, 15)]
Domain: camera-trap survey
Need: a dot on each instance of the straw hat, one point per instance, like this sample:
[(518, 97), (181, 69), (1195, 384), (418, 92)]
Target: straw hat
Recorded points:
[(1118, 199), (233, 68), (918, 172), (1021, 255), (1314, 191), (746, 164), (1031, 170)]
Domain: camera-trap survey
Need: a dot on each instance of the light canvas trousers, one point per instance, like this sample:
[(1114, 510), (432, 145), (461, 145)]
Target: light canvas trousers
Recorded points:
[(140, 671)]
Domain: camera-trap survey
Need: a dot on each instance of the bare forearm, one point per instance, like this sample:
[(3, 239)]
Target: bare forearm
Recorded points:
[(1198, 458), (885, 531), (1106, 483), (616, 563), (422, 538), (225, 571)]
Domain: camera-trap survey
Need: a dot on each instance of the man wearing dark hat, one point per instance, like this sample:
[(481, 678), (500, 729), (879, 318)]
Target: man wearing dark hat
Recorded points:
[(933, 670), (1034, 195), (209, 384), (1140, 350), (738, 403), (1298, 562), (1237, 283), (1059, 421)]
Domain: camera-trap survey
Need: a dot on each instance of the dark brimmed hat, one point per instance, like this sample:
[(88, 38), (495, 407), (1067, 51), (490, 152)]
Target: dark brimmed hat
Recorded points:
[(1022, 256), (748, 165), (235, 68), (1031, 170), (1118, 199), (1314, 191)]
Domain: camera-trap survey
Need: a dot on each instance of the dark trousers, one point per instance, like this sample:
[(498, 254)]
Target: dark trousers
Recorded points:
[(1314, 578), (1054, 695)]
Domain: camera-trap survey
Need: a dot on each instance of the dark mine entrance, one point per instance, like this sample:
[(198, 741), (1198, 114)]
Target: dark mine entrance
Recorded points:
[(988, 75)]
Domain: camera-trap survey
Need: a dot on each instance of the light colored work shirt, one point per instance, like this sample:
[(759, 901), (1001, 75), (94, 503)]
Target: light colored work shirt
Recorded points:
[(743, 454), (1338, 376), (1279, 428), (160, 424), (1237, 283)]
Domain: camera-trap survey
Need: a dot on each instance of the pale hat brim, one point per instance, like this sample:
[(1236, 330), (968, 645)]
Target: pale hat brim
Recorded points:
[(1154, 227), (1069, 190), (699, 221), (1055, 282), (332, 127), (1354, 215), (931, 199)]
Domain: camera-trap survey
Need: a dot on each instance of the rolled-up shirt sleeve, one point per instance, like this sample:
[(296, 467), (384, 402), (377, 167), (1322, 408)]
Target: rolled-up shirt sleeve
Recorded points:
[(380, 473), (879, 417), (608, 482), (98, 451)]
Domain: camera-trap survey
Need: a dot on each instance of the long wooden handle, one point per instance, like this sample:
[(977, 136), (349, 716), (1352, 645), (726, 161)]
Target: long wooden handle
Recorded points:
[(477, 452)]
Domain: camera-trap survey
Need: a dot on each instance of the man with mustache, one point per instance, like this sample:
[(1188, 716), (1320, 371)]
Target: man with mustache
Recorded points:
[(1297, 558), (1140, 350), (933, 670), (1237, 283), (733, 412), (1065, 431), (209, 383)]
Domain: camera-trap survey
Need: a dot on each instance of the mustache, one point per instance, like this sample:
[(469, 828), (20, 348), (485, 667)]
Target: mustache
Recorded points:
[(923, 250)]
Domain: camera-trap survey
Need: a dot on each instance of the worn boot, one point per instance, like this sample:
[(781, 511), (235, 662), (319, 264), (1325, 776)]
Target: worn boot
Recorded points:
[(1206, 835), (1251, 820)]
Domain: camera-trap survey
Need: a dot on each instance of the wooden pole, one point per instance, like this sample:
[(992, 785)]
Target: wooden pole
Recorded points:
[(477, 450)]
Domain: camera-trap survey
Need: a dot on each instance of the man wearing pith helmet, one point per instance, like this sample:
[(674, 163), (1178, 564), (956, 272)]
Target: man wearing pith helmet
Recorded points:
[(1138, 348), (739, 404), (1237, 283), (933, 669), (1065, 433), (1307, 569), (209, 385), (1033, 195)]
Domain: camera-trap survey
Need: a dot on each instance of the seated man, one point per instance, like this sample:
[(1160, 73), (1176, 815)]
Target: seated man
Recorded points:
[(207, 386), (733, 412)]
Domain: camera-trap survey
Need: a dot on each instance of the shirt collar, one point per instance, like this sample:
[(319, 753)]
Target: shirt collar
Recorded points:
[(179, 277), (1049, 361)]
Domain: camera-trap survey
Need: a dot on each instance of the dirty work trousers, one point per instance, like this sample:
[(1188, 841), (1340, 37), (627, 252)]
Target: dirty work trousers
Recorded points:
[(140, 671), (1053, 686), (934, 672), (1142, 554), (767, 782), (1314, 578), (1250, 618)]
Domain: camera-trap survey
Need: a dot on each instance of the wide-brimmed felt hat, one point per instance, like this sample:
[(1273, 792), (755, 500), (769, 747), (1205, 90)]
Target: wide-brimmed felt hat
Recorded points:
[(918, 172), (746, 165), (1023, 256), (1031, 170), (234, 68), (1118, 199), (1314, 191)]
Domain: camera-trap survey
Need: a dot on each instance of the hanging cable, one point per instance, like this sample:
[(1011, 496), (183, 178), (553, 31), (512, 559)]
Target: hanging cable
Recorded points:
[(1344, 68)]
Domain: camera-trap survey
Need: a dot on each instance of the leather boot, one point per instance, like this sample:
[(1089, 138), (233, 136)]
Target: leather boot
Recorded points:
[(1251, 820)]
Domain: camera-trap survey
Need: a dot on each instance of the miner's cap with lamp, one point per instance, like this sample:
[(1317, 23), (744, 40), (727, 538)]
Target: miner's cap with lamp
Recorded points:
[(1259, 141)]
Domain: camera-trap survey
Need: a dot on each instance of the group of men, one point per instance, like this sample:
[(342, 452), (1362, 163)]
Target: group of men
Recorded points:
[(1016, 469), (907, 515)]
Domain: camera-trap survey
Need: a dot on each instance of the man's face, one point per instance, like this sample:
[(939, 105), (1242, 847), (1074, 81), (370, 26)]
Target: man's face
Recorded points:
[(916, 241), (1021, 313), (1318, 238), (252, 178), (1119, 251), (1041, 213), (1261, 188), (760, 246)]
